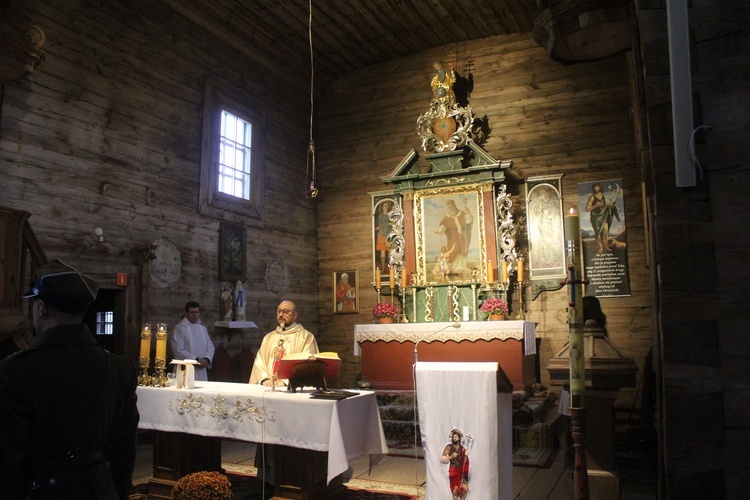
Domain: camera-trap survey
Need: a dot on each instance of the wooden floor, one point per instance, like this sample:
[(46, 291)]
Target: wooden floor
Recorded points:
[(529, 483)]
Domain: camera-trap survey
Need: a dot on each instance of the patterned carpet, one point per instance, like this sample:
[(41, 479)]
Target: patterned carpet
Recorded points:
[(535, 446), (247, 486)]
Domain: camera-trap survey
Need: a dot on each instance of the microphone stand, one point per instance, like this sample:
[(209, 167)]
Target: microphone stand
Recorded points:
[(416, 358)]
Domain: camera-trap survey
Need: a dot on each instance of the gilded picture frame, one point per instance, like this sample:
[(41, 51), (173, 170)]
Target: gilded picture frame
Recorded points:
[(450, 235), (382, 204), (232, 247), (346, 291)]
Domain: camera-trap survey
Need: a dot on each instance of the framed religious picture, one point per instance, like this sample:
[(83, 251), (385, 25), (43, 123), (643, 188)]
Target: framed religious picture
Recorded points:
[(231, 252), (604, 238), (383, 203), (450, 234), (544, 216), (345, 291)]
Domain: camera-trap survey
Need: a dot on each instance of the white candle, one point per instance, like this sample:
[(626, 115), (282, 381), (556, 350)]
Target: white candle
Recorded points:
[(572, 226)]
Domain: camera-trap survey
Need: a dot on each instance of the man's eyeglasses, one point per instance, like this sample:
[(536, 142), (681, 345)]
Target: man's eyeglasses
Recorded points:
[(284, 311)]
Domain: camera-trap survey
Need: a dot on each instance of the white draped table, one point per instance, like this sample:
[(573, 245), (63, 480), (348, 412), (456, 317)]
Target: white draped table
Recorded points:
[(344, 429)]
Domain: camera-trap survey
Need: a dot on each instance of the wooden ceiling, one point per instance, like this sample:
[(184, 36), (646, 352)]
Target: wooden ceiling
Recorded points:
[(349, 34)]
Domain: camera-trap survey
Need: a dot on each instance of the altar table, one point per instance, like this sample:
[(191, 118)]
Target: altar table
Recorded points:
[(341, 429), (388, 349)]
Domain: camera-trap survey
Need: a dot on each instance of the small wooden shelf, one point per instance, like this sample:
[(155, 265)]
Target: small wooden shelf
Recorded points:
[(235, 324)]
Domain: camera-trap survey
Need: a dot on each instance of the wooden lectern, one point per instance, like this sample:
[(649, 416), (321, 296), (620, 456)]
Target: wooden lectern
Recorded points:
[(475, 398)]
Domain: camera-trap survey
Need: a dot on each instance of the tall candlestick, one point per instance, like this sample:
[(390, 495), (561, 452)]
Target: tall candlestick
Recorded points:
[(377, 278), (160, 361), (404, 277), (521, 270), (144, 356), (576, 350), (161, 342), (504, 271), (146, 341), (490, 272), (392, 277)]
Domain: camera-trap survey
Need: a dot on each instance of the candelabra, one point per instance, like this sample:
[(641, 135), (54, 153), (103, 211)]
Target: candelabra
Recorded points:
[(404, 319)]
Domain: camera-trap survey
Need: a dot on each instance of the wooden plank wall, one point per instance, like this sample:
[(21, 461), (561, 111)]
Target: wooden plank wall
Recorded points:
[(106, 133), (702, 252), (546, 117)]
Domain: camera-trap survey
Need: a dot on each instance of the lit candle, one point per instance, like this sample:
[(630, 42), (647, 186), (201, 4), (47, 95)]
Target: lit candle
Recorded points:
[(490, 272), (161, 342), (520, 270), (146, 341), (377, 277), (392, 277), (504, 271), (404, 277), (572, 226)]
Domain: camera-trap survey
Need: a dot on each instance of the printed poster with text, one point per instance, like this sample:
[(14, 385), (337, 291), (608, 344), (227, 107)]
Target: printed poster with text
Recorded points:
[(604, 238)]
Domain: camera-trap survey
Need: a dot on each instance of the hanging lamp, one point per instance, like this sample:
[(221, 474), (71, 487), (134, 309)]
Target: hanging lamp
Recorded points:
[(311, 172)]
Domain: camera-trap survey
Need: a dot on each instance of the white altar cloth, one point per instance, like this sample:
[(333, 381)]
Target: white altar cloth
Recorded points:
[(346, 429), (429, 332)]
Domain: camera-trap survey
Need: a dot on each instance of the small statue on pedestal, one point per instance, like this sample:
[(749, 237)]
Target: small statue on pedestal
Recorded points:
[(239, 302), (225, 302)]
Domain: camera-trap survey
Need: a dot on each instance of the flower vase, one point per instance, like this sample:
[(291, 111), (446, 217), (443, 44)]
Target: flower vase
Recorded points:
[(385, 320), (497, 317)]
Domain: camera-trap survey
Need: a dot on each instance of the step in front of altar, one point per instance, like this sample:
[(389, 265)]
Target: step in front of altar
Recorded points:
[(397, 413)]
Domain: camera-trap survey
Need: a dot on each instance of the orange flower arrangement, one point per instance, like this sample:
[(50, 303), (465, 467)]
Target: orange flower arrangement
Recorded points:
[(203, 486)]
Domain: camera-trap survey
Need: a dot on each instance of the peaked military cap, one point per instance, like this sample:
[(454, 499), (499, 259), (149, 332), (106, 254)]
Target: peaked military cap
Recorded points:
[(63, 287)]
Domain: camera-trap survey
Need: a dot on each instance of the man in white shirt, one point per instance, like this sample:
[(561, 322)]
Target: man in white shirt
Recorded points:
[(190, 340)]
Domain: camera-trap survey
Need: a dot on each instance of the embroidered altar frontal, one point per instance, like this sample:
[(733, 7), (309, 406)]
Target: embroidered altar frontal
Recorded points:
[(346, 428)]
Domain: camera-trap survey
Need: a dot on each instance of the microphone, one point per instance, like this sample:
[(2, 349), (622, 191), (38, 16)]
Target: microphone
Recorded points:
[(452, 325)]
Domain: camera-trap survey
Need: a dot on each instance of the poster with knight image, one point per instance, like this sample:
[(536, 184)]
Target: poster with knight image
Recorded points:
[(604, 238)]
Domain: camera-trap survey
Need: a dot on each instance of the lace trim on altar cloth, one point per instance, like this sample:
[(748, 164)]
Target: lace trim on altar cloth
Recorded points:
[(431, 332)]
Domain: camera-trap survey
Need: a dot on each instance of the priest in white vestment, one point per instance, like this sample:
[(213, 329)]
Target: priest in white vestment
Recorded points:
[(190, 340), (288, 338)]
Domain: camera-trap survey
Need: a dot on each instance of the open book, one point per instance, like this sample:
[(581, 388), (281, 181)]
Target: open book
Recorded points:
[(331, 359)]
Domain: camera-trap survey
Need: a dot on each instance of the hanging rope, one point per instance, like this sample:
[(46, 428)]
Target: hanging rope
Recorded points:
[(311, 171)]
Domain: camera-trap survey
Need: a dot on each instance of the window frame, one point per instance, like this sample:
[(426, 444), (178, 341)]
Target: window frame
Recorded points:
[(105, 320), (212, 201)]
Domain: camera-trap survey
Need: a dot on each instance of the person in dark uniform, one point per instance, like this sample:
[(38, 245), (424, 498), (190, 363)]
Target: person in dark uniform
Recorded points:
[(68, 414)]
